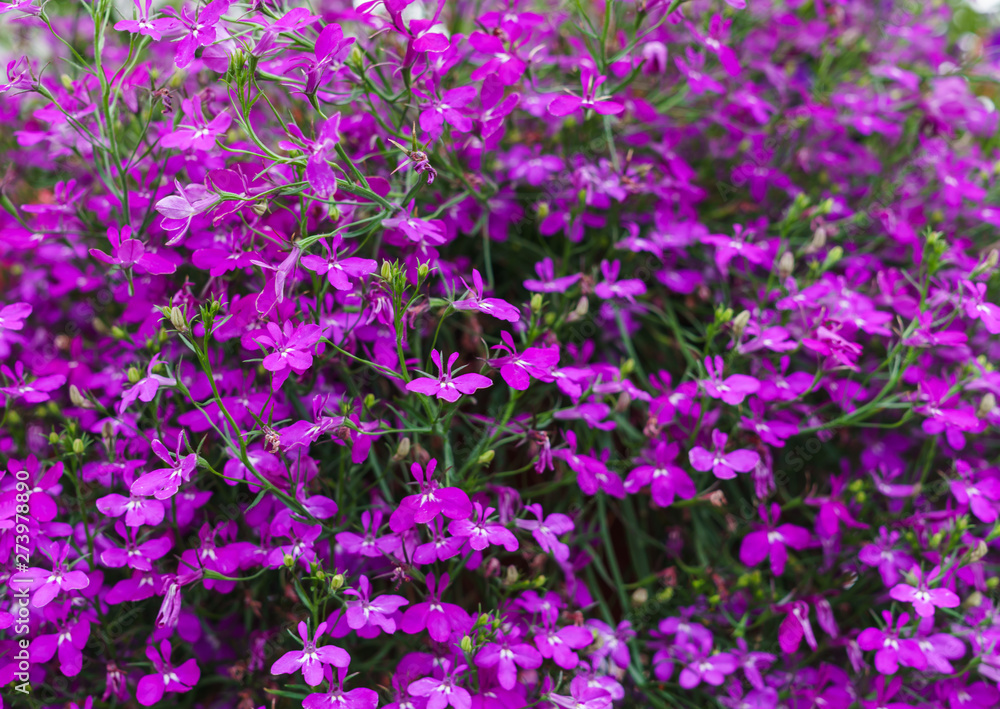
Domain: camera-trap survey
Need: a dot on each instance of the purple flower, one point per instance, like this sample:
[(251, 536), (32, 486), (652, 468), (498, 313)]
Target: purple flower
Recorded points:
[(445, 691), (145, 389), (603, 105), (143, 24), (517, 369), (431, 501), (481, 534), (448, 387), (311, 659), (292, 346), (500, 309), (199, 134), (368, 544), (712, 670), (338, 270), (167, 678), (891, 650), (723, 465), (665, 479), (547, 281), (924, 598), (546, 530), (733, 389), (559, 644), (507, 653), (367, 611), (319, 174), (443, 621), (611, 287), (12, 316), (164, 483), (772, 540), (34, 392), (198, 30), (337, 698)]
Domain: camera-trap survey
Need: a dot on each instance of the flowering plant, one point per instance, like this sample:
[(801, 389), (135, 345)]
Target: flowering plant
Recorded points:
[(499, 354)]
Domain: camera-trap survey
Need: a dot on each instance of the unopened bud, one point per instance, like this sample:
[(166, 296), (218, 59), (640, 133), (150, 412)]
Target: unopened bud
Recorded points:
[(486, 458), (178, 319), (483, 620), (289, 561), (356, 58), (511, 576), (369, 400), (422, 271), (66, 81), (640, 596), (835, 254), (117, 333), (133, 375), (786, 265), (337, 582), (543, 210), (977, 552), (402, 450), (536, 303), (77, 399), (987, 405), (466, 644), (78, 446), (628, 366), (259, 208), (740, 323), (53, 438), (386, 271), (818, 241)]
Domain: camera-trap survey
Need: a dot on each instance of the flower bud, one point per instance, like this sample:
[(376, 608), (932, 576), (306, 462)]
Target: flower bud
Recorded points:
[(422, 271), (640, 596), (536, 303), (78, 446), (786, 265), (834, 255), (369, 400), (289, 561), (466, 644), (53, 438), (740, 323), (117, 333), (483, 620), (356, 58), (178, 320), (133, 375), (987, 405), (386, 271), (543, 210), (66, 81), (260, 208), (511, 576), (337, 582), (486, 458), (402, 450), (77, 398)]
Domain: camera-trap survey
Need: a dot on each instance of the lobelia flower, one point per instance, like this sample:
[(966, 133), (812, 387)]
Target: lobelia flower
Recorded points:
[(665, 479), (179, 209), (891, 650), (924, 598), (500, 309), (318, 152), (723, 465), (547, 281), (712, 670), (445, 691), (200, 134), (546, 530), (603, 105), (311, 660), (560, 644), (883, 555), (507, 653), (337, 698), (437, 112), (39, 488), (143, 24), (138, 510), (481, 534), (772, 540), (145, 389), (431, 501), (613, 641), (164, 483), (978, 308), (583, 697), (443, 621), (167, 678), (293, 346), (68, 642), (592, 474), (34, 392), (448, 387), (981, 496), (367, 611), (198, 30), (611, 287), (795, 627), (135, 555), (338, 271), (517, 369), (368, 544), (733, 389), (12, 316)]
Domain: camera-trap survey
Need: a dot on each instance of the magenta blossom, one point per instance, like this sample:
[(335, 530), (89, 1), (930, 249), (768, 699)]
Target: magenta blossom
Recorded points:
[(167, 678), (733, 389), (164, 483), (311, 659), (446, 386), (500, 309), (772, 540), (723, 465), (924, 598), (431, 501)]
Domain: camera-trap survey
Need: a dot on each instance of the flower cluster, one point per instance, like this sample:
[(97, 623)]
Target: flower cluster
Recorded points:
[(499, 354)]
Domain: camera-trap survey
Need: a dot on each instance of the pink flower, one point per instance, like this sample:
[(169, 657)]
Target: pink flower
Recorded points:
[(311, 659), (167, 678), (448, 387), (924, 598), (518, 368), (367, 611), (500, 309), (723, 465), (164, 483), (772, 541), (603, 105), (430, 502), (733, 389)]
